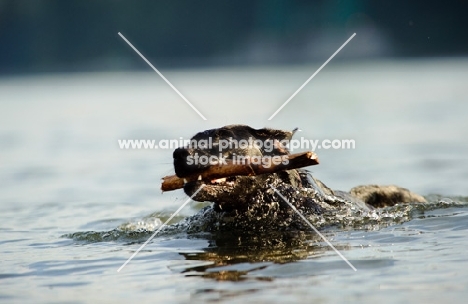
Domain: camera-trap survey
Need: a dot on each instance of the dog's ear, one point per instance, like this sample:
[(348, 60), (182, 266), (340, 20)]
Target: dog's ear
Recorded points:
[(280, 135)]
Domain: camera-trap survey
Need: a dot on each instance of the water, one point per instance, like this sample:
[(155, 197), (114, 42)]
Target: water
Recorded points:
[(62, 172)]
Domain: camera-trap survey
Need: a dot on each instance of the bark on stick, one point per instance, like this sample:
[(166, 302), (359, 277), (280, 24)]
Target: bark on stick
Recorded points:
[(250, 167)]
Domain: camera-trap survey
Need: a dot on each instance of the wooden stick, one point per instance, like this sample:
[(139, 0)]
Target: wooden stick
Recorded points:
[(252, 166)]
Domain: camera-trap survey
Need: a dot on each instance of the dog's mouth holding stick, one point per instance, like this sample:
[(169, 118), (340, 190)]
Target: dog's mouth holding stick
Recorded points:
[(234, 177), (229, 184), (226, 172)]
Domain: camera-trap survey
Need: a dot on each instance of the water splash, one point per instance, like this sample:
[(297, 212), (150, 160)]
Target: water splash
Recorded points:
[(207, 220)]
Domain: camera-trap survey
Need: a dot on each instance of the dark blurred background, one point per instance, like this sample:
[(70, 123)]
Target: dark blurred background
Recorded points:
[(64, 36)]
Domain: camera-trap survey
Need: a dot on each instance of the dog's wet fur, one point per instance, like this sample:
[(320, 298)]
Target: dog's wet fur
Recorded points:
[(250, 201)]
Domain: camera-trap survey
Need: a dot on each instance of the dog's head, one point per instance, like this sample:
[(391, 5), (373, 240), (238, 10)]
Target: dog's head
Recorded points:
[(232, 142)]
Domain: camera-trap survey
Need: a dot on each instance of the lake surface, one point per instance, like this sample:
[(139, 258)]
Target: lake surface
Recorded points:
[(62, 173)]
